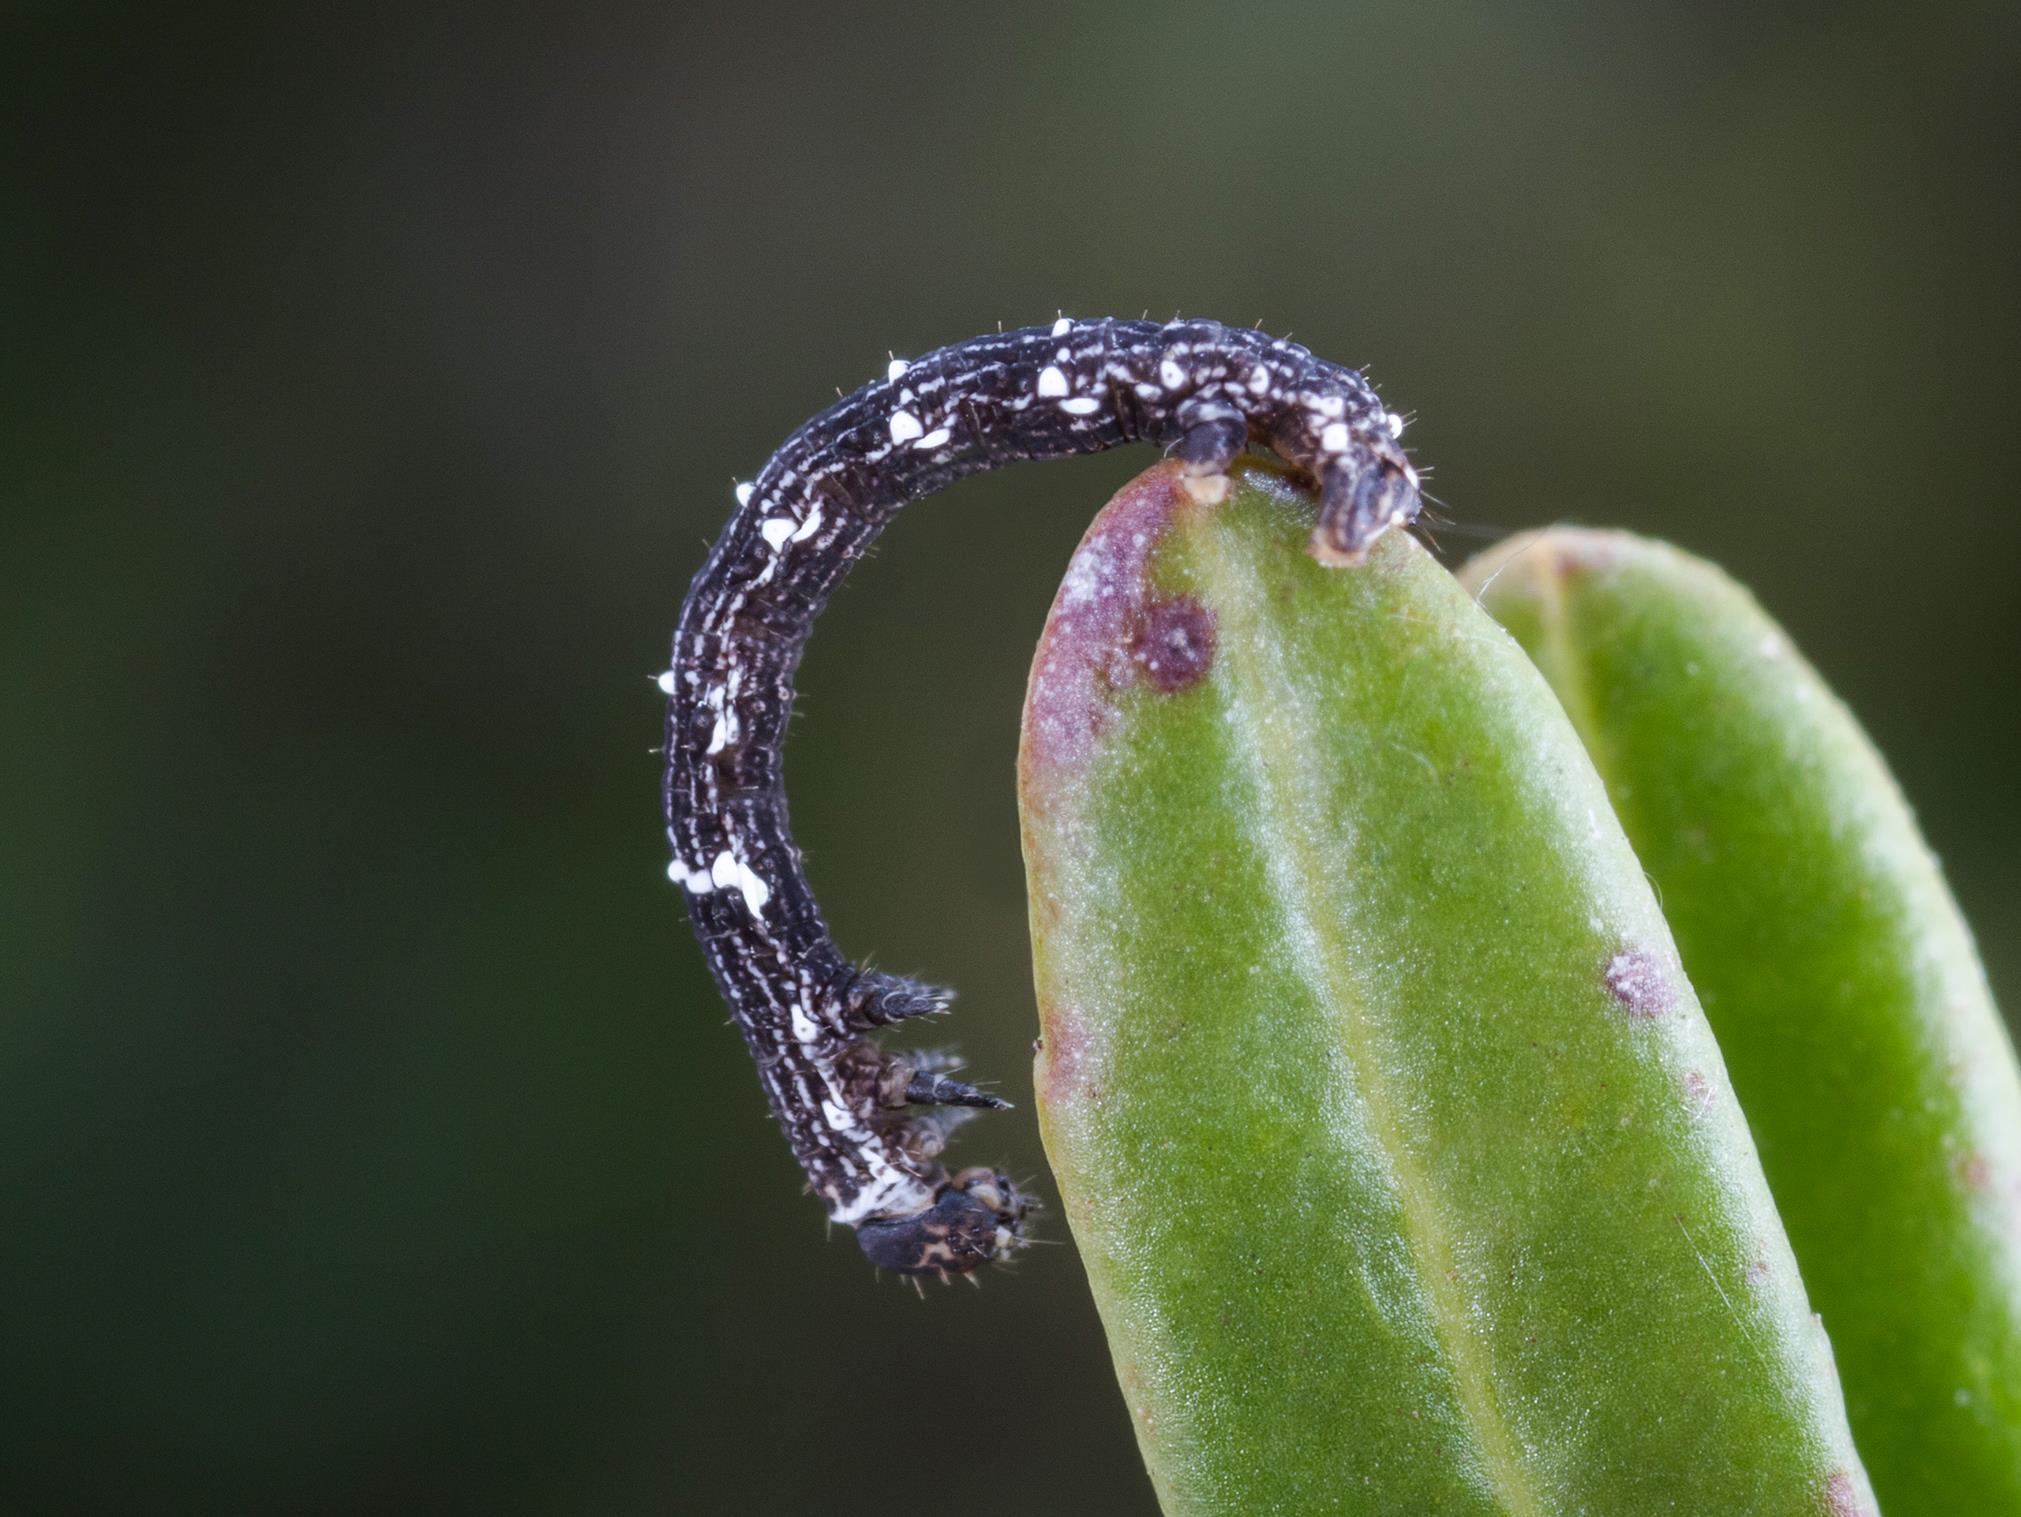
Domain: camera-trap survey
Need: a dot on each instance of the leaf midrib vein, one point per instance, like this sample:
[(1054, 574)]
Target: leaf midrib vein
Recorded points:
[(1281, 757)]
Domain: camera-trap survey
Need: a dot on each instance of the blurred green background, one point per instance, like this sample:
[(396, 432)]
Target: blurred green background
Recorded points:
[(374, 377)]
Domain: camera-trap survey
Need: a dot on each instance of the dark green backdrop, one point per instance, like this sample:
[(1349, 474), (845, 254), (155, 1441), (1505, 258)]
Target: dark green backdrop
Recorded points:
[(370, 1136)]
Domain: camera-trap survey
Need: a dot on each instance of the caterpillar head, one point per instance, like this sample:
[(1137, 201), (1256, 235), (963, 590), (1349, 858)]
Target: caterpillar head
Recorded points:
[(976, 1217), (1363, 493)]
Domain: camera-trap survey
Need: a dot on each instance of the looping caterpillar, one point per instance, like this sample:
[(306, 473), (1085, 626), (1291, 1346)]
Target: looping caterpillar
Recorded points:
[(863, 1122)]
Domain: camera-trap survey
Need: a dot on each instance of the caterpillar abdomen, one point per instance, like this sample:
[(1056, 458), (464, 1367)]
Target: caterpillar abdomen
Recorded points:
[(869, 1126)]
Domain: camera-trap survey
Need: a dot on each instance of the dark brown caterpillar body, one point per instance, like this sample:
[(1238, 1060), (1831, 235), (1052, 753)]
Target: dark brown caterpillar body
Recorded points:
[(868, 1126)]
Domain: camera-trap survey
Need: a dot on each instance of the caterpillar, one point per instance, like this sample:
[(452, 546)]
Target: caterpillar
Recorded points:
[(869, 1126)]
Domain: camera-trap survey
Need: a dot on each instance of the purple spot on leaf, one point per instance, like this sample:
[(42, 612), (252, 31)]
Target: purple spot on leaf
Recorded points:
[(1174, 643), (1842, 1497), (1699, 1095), (1640, 983)]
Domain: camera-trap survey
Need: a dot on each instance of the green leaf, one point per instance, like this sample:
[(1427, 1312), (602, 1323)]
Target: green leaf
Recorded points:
[(1838, 974), (1401, 1159)]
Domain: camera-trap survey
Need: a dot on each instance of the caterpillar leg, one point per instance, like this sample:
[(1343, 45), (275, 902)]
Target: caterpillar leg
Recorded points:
[(877, 1000), (925, 1089), (1212, 436), (875, 1080), (971, 1218), (977, 1216)]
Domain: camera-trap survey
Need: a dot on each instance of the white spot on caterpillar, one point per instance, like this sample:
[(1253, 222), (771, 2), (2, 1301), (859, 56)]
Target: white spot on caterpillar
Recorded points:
[(897, 369), (695, 879), (1395, 423), (1052, 382), (716, 698), (937, 438), (805, 1028), (778, 531), (891, 1190), (808, 527), (1170, 375), (1063, 326), (665, 681), (905, 426), (1081, 405), (731, 872), (744, 493), (1334, 438), (1259, 379), (1329, 405)]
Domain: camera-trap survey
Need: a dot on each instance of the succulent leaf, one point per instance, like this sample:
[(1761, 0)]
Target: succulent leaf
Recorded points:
[(1402, 1161), (1838, 974)]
